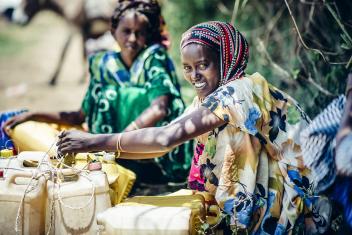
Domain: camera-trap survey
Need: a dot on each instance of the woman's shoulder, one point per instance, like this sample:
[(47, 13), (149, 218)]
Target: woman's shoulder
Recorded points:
[(157, 48), (157, 56), (103, 56), (256, 76), (249, 80), (155, 51), (106, 60), (255, 84)]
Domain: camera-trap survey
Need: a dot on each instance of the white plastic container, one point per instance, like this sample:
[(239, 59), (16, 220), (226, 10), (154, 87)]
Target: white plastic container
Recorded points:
[(10, 165), (144, 220), (33, 211), (120, 179), (76, 204), (23, 161), (34, 156)]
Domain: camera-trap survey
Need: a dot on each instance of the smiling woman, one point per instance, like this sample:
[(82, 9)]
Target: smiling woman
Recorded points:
[(248, 153), (202, 73)]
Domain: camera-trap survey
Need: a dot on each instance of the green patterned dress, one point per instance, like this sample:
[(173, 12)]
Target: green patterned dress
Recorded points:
[(117, 96)]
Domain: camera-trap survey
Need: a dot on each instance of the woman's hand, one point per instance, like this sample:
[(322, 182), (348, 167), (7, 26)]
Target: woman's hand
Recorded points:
[(75, 141), (14, 121)]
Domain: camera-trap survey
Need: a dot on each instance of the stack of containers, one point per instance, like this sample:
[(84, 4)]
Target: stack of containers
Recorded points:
[(78, 202), (72, 206), (160, 215), (31, 219), (67, 206)]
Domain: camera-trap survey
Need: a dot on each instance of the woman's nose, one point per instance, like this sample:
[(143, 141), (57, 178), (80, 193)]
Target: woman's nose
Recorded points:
[(195, 75), (132, 37)]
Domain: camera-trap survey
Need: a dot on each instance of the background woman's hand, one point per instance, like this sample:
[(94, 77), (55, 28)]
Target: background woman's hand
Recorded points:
[(14, 121), (75, 141)]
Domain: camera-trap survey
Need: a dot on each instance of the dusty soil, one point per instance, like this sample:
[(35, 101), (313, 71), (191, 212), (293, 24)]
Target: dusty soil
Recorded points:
[(28, 57)]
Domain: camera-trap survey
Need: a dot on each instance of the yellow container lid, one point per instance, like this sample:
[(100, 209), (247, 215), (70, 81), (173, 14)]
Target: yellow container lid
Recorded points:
[(6, 153)]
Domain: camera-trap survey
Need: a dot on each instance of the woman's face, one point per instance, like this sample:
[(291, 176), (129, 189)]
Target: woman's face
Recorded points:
[(201, 68), (131, 34)]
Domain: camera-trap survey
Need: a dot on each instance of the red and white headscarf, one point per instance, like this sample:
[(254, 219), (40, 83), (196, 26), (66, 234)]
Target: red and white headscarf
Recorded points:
[(227, 40)]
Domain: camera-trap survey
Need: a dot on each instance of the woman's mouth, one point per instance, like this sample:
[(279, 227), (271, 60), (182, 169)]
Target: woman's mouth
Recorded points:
[(132, 46), (200, 85)]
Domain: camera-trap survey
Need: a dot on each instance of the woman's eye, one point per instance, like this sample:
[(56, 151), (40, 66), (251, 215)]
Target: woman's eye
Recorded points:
[(202, 66), (126, 31), (187, 68)]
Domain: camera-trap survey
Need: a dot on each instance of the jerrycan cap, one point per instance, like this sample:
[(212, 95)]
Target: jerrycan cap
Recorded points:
[(6, 153), (109, 157), (94, 166)]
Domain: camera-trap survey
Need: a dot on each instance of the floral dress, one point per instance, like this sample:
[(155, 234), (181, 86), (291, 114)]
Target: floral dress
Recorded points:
[(253, 164)]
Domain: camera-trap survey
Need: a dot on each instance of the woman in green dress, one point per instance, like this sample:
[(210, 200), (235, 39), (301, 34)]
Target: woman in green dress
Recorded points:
[(131, 89)]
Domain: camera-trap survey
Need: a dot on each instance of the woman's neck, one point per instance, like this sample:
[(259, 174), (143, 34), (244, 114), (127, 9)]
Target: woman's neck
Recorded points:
[(201, 99), (127, 60)]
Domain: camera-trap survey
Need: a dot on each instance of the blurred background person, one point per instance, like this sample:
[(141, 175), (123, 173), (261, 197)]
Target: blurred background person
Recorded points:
[(327, 151)]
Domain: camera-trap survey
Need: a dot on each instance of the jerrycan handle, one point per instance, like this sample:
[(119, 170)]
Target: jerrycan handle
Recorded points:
[(10, 179)]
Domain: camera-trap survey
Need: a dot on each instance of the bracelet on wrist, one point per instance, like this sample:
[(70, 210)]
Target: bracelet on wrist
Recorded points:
[(118, 143)]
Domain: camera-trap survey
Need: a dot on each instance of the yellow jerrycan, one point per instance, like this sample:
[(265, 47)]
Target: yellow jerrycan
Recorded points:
[(144, 220), (31, 219), (120, 179), (35, 136), (195, 202), (72, 205)]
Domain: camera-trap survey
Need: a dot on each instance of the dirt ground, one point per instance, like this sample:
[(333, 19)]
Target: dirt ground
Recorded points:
[(28, 57)]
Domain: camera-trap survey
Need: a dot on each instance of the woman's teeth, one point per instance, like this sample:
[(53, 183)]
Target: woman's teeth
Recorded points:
[(199, 85)]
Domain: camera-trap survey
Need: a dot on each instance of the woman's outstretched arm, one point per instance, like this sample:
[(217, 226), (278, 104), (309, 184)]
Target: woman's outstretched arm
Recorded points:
[(68, 118), (149, 140)]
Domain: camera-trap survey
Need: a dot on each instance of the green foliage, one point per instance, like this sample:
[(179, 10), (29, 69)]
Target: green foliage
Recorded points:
[(312, 70)]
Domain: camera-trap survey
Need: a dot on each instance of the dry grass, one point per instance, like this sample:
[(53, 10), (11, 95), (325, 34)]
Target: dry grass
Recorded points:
[(28, 56)]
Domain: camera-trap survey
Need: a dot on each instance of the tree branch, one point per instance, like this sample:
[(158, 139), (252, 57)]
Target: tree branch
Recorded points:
[(234, 12), (318, 86), (338, 22), (300, 36), (285, 75), (223, 9)]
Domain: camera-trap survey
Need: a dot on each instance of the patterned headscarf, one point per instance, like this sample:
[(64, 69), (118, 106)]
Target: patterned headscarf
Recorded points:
[(225, 39)]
